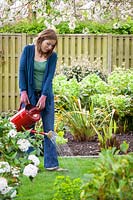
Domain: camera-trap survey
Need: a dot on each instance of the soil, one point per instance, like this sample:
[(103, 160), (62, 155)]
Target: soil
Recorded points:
[(90, 148)]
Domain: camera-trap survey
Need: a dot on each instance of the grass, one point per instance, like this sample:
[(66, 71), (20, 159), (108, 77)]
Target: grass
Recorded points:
[(42, 187)]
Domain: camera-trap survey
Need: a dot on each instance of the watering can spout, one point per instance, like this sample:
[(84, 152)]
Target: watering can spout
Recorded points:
[(26, 117)]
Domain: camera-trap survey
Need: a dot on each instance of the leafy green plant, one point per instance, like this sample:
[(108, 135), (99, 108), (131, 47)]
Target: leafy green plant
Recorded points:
[(90, 85), (24, 26), (106, 134), (110, 178), (87, 27), (121, 80), (14, 158), (63, 87), (67, 188), (124, 147), (81, 67), (121, 103), (79, 119)]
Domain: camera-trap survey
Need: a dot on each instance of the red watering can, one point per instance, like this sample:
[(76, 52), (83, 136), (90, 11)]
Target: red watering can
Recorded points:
[(26, 117)]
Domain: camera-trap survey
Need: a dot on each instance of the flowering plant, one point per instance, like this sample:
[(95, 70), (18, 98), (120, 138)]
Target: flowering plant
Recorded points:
[(15, 159), (68, 11)]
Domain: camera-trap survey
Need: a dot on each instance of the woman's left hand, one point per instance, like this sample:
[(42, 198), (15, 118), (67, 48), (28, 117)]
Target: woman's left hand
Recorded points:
[(41, 102)]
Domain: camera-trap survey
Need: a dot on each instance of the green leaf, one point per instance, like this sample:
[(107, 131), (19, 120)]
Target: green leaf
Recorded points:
[(124, 147)]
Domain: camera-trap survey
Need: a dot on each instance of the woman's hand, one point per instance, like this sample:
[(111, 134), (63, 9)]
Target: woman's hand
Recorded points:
[(41, 102), (24, 98)]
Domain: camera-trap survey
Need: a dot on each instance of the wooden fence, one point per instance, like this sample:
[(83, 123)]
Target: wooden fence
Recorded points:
[(113, 50)]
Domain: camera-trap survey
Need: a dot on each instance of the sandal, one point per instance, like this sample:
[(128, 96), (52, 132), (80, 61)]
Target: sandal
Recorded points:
[(58, 169)]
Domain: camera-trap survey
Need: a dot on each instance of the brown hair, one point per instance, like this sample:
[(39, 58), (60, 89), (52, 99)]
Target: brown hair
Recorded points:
[(48, 34)]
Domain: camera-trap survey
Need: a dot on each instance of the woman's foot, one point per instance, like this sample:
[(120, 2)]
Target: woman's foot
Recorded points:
[(58, 169)]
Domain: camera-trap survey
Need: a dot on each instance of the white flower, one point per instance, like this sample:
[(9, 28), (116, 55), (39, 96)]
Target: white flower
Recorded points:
[(12, 125), (5, 190), (8, 189), (30, 170), (34, 159), (14, 194), (3, 183), (61, 7), (23, 144), (12, 133), (15, 171), (116, 25), (88, 5), (4, 167), (72, 26)]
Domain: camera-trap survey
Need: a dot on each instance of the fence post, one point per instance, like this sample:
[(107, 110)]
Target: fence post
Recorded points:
[(24, 40), (109, 58), (1, 52)]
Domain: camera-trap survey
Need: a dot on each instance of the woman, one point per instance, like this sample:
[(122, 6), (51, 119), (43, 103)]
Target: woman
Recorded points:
[(36, 72)]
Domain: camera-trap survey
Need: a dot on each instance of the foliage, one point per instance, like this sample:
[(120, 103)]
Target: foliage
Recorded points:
[(63, 87), (79, 119), (106, 96), (60, 138), (121, 103), (14, 158), (71, 16), (94, 27), (121, 81), (34, 27), (86, 27), (81, 67), (106, 134), (92, 84), (110, 178), (67, 188)]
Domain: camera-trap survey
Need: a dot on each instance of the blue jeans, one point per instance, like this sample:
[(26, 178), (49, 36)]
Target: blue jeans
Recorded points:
[(50, 152)]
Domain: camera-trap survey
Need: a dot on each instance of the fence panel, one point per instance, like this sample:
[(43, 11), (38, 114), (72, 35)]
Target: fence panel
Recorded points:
[(11, 47), (113, 50), (122, 51)]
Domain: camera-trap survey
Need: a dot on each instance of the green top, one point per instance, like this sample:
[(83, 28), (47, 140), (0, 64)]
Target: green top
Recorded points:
[(39, 69)]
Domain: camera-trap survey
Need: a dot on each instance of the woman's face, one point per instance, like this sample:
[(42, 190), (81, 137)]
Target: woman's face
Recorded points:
[(48, 45)]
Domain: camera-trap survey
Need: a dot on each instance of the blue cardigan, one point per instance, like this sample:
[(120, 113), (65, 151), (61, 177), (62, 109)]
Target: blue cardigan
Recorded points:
[(26, 74)]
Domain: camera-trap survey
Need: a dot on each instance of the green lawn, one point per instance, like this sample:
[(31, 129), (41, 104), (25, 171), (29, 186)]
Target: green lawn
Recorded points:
[(42, 187)]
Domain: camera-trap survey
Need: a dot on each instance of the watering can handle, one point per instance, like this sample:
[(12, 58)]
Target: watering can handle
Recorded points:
[(34, 110), (20, 107)]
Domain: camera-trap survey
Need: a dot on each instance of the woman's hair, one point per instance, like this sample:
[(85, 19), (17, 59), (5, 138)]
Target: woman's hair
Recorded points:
[(48, 34)]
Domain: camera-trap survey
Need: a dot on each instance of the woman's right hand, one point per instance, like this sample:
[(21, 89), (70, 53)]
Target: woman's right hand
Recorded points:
[(24, 98)]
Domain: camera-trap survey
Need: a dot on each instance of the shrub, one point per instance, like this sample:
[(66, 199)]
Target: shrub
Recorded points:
[(81, 67), (32, 27), (67, 188), (87, 27), (121, 81), (14, 158), (110, 178)]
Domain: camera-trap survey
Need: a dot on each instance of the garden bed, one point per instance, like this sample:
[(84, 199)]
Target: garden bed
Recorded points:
[(91, 148)]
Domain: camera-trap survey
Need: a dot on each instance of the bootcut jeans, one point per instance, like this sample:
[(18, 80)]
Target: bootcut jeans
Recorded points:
[(50, 152)]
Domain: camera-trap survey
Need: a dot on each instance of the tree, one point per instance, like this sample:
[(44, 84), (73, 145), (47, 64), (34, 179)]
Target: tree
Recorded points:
[(55, 11)]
